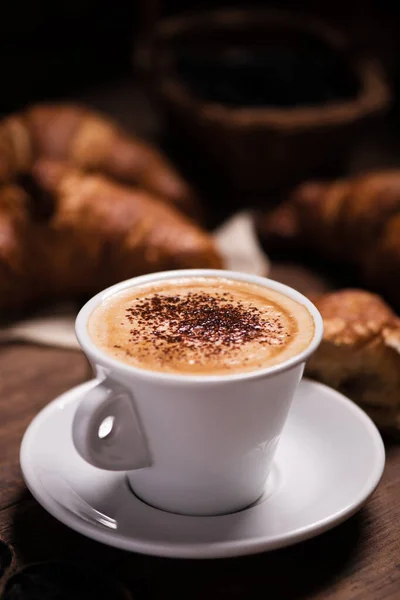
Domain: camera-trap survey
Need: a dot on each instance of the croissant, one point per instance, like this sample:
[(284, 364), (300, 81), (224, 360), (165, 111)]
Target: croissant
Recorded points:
[(355, 220), (360, 353), (85, 232), (91, 142)]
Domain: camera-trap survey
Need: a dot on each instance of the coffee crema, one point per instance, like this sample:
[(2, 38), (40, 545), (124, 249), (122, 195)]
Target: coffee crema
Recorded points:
[(201, 326)]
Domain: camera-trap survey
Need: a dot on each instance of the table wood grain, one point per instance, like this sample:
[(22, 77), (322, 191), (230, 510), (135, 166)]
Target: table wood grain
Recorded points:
[(359, 560)]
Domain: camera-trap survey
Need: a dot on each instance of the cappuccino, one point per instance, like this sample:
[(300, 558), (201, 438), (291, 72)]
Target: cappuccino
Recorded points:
[(201, 326)]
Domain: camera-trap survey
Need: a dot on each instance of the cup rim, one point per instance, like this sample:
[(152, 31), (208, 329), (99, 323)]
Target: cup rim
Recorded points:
[(102, 359)]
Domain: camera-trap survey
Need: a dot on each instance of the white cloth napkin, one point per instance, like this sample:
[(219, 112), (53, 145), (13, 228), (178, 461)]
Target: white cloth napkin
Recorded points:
[(236, 240)]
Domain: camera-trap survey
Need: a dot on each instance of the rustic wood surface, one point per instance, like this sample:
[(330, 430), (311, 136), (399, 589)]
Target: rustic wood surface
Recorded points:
[(42, 559), (358, 560)]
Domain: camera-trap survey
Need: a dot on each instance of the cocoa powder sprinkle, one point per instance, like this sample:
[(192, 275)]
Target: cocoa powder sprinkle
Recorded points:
[(201, 325)]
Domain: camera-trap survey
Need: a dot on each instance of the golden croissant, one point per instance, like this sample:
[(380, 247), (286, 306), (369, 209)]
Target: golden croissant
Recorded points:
[(354, 220), (360, 353), (81, 232), (90, 142)]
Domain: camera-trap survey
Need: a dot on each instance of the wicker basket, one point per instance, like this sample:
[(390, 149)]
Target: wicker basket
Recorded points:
[(261, 149)]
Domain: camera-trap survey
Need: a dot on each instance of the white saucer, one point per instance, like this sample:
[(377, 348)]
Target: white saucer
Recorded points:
[(329, 461)]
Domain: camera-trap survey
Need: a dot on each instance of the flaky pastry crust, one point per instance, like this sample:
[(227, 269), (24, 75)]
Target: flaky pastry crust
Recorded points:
[(360, 353)]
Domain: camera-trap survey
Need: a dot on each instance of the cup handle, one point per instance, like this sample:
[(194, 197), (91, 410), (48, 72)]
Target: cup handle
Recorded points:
[(108, 406)]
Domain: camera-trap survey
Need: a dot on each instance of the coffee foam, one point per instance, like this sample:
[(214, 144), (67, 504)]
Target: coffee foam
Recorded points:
[(201, 326)]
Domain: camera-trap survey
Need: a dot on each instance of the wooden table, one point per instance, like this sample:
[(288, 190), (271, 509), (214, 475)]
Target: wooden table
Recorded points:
[(359, 560)]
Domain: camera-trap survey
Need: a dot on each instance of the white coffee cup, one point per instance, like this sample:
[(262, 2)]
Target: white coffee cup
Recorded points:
[(196, 445)]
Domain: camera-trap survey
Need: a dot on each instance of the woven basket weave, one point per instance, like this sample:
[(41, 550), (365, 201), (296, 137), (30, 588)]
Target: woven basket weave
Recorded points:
[(264, 148)]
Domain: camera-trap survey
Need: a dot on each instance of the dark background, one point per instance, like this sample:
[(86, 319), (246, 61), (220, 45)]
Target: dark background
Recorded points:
[(49, 50)]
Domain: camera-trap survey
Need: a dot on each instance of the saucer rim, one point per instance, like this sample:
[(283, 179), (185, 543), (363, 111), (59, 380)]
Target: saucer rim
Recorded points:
[(204, 550)]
